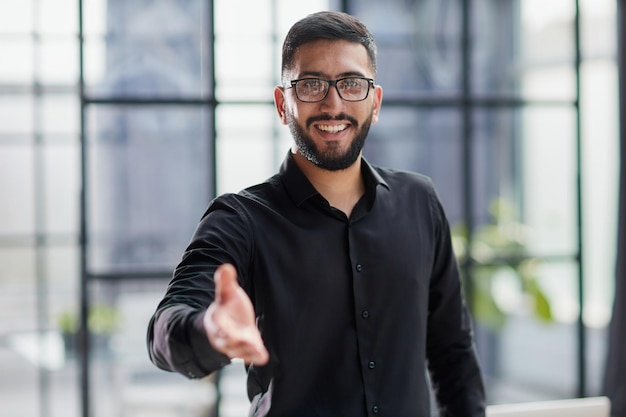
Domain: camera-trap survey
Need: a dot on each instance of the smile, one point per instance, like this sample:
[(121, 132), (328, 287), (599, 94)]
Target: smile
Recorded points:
[(332, 128)]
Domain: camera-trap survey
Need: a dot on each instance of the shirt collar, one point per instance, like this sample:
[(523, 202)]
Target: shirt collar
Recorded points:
[(300, 189)]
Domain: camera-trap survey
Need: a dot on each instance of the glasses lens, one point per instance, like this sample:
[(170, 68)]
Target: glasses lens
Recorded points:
[(311, 89), (315, 89), (353, 89)]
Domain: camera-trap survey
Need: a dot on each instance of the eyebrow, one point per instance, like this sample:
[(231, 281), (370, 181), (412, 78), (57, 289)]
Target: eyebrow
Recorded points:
[(319, 74)]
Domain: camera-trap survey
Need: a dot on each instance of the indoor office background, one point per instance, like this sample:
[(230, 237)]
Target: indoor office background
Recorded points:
[(120, 120)]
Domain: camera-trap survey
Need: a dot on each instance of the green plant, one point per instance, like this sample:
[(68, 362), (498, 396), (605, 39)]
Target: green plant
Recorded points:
[(102, 319), (504, 276)]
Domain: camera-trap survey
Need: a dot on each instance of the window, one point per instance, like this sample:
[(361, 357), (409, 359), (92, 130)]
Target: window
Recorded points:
[(485, 97)]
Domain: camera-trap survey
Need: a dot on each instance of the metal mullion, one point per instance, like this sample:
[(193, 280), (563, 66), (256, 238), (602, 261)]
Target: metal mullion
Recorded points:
[(276, 70), (8, 89), (477, 102), (119, 276), (213, 102), (83, 334), (213, 153), (140, 101), (507, 259), (466, 141), (41, 284), (582, 340), (344, 6)]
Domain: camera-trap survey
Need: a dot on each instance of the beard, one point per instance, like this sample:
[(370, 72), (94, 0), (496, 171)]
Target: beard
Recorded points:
[(331, 159)]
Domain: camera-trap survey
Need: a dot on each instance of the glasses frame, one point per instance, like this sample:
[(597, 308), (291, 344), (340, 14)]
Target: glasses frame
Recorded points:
[(331, 83)]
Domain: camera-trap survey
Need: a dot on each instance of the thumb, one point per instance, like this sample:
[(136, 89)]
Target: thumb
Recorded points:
[(225, 282)]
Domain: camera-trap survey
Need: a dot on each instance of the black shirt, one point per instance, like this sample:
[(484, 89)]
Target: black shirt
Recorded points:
[(353, 311)]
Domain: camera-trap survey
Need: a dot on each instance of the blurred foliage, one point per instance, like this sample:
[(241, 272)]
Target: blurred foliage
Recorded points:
[(103, 319), (504, 276)]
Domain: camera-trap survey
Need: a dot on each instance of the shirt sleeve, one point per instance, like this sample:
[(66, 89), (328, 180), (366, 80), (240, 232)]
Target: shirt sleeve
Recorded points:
[(452, 361), (176, 337)]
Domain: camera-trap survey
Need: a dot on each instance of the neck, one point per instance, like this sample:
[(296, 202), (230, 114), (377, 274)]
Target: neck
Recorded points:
[(342, 188)]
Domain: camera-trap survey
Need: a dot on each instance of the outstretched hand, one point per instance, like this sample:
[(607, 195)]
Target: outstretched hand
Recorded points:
[(229, 321)]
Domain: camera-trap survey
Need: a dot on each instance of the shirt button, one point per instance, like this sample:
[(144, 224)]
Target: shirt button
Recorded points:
[(359, 267), (365, 314), (371, 365), (375, 409)]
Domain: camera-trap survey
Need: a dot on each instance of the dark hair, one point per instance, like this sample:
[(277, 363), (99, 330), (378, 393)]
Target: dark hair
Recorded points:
[(331, 26)]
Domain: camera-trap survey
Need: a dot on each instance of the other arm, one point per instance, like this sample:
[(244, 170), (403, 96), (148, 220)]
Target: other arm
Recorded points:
[(452, 359)]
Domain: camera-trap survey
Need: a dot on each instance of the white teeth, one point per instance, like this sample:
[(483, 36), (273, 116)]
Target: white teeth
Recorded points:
[(332, 128)]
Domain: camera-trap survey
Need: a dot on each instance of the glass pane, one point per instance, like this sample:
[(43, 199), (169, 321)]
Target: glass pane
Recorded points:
[(61, 171), (16, 17), (418, 45), (599, 85), (17, 283), (58, 16), (546, 49), (19, 380), (548, 166), (59, 62), (95, 57), (124, 381), (95, 17), (425, 141), (153, 49), (552, 82), (246, 153), (243, 51), (60, 115), (64, 396), (19, 69), (230, 18), (287, 12), (598, 29), (149, 182), (63, 281), (20, 355), (495, 47), (17, 211), (601, 153), (234, 78), (16, 114), (62, 289), (496, 183), (525, 357)]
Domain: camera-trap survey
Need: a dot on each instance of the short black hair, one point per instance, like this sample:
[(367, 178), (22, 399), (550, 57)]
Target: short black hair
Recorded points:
[(331, 26)]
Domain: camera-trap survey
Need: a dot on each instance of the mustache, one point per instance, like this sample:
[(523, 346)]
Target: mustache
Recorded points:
[(326, 118)]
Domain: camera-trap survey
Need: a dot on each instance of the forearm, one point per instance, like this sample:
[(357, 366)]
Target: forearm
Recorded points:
[(457, 381), (177, 342), (177, 339), (452, 359)]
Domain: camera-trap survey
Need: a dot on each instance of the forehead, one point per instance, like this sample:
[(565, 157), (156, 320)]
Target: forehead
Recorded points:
[(331, 58)]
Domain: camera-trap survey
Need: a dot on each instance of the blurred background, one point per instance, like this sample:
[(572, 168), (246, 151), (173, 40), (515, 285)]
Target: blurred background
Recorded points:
[(120, 120)]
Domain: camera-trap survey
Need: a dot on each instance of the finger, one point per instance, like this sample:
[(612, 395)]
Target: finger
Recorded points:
[(247, 345), (250, 352), (255, 348), (225, 282)]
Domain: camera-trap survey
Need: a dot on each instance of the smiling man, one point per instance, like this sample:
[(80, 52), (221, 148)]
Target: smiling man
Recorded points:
[(334, 280)]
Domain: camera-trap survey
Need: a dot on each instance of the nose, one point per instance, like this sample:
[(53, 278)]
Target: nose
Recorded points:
[(332, 99)]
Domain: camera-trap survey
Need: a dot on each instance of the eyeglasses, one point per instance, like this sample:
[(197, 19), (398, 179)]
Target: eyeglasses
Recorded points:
[(312, 90)]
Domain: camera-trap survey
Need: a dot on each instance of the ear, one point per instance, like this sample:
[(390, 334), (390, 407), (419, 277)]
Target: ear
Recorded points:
[(279, 102), (378, 100)]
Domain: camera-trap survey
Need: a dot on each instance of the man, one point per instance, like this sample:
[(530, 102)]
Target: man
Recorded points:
[(334, 280)]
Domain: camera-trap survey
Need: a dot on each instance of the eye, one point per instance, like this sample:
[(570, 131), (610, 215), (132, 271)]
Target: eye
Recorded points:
[(311, 83), (352, 83)]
